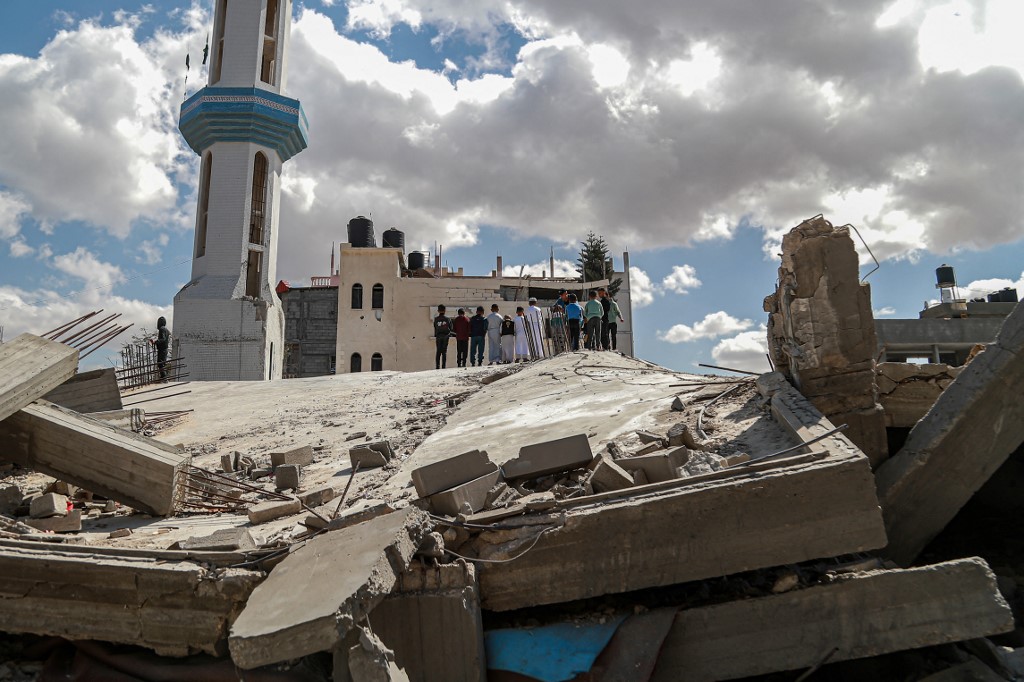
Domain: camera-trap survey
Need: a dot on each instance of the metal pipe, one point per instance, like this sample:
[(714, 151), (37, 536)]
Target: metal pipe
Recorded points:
[(149, 400), (700, 415), (67, 325), (730, 369)]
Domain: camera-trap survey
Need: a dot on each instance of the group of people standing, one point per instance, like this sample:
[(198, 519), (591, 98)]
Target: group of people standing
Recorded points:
[(520, 338)]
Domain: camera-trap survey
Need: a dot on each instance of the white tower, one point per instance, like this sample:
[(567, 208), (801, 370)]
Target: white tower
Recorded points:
[(228, 319)]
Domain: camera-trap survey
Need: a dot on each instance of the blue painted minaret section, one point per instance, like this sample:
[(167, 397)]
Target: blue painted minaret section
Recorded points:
[(228, 320)]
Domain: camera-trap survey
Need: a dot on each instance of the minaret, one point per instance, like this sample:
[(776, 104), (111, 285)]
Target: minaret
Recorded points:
[(228, 319)]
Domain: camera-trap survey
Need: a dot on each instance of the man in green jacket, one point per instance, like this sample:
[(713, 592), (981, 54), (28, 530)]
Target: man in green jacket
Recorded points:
[(592, 313)]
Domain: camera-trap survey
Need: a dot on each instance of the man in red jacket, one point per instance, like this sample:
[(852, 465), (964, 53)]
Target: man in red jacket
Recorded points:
[(461, 338)]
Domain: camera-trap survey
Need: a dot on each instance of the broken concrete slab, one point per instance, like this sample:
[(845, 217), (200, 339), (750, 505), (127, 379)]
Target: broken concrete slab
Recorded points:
[(861, 615), (317, 496), (658, 466), (273, 509), (302, 456), (70, 522), (223, 540), (370, 661), (321, 590), (10, 497), (174, 607), (808, 509), (95, 391), (968, 433), (648, 437), (366, 458), (448, 473), (227, 463), (50, 504), (472, 494), (30, 366), (432, 622), (141, 472), (606, 475), (287, 476), (679, 436), (539, 459), (907, 391)]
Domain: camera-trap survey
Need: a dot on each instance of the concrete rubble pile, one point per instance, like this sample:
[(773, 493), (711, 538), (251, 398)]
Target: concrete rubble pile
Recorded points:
[(648, 525)]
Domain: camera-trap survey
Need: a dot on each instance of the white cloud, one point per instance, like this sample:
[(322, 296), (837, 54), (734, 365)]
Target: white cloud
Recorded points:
[(20, 248), (747, 350), (887, 311), (681, 280), (563, 268), (151, 250), (981, 288), (84, 265), (13, 209), (713, 325), (641, 289)]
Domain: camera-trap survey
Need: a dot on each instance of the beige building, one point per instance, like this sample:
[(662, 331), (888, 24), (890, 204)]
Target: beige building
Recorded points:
[(385, 310)]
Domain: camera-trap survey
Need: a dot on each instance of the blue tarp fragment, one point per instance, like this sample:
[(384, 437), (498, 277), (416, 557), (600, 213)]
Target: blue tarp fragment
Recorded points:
[(552, 653)]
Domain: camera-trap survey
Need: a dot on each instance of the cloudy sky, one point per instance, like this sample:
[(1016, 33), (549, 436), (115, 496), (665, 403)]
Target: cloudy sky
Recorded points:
[(691, 133)]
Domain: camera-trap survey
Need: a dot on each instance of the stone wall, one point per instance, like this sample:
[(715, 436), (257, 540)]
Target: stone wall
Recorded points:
[(821, 332)]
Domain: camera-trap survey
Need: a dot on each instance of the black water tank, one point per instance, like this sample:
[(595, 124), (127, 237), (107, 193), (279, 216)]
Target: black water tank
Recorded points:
[(360, 233), (1008, 295), (393, 239), (417, 260), (995, 297), (944, 275)]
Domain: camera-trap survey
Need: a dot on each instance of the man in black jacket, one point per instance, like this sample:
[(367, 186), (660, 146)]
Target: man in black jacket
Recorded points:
[(606, 303), (442, 332), (477, 334)]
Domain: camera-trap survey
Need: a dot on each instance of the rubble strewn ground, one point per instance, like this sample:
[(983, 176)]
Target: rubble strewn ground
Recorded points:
[(585, 515)]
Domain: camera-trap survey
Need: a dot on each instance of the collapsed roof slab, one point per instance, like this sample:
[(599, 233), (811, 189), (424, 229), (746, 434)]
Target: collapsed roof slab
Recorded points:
[(141, 472), (320, 591), (172, 606), (859, 615), (967, 434), (29, 367), (769, 513)]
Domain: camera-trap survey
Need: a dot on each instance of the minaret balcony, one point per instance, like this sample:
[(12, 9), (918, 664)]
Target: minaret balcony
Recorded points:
[(244, 115)]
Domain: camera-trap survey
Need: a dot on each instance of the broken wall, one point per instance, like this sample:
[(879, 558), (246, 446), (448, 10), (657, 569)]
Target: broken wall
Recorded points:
[(821, 332)]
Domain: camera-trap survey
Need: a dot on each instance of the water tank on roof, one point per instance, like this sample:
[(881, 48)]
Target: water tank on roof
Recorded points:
[(360, 233), (995, 297), (1008, 295), (944, 276), (417, 260), (393, 239)]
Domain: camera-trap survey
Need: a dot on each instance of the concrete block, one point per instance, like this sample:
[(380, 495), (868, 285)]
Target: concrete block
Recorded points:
[(29, 367), (433, 624), (648, 437), (50, 504), (69, 523), (861, 615), (223, 540), (649, 448), (607, 476), (10, 498), (316, 595), (274, 509), (734, 459), (287, 476), (551, 457), (366, 458), (679, 435), (119, 533), (318, 496), (302, 456), (227, 463), (658, 467), (448, 473), (473, 493)]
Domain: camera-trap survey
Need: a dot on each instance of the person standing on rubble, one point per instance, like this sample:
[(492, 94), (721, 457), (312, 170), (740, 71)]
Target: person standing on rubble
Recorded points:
[(477, 332), (461, 324), (535, 318), (522, 345), (606, 307), (592, 314), (507, 332), (163, 344), (574, 317), (494, 345), (614, 317), (442, 332)]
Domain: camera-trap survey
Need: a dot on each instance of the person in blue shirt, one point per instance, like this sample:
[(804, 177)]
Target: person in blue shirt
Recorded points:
[(477, 334), (574, 314)]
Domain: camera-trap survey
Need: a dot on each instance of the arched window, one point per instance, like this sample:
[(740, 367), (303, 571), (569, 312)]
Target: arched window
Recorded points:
[(377, 300), (376, 362), (218, 41), (357, 297), (204, 205), (258, 210), (356, 363)]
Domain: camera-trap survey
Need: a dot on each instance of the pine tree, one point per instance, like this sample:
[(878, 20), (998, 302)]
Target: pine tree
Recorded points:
[(595, 264)]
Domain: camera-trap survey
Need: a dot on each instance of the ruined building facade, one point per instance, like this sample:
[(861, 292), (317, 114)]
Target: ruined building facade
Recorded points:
[(228, 319)]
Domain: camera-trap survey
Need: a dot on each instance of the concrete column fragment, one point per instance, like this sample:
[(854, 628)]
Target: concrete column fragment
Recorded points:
[(29, 367), (320, 591), (968, 433), (551, 457), (860, 615)]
